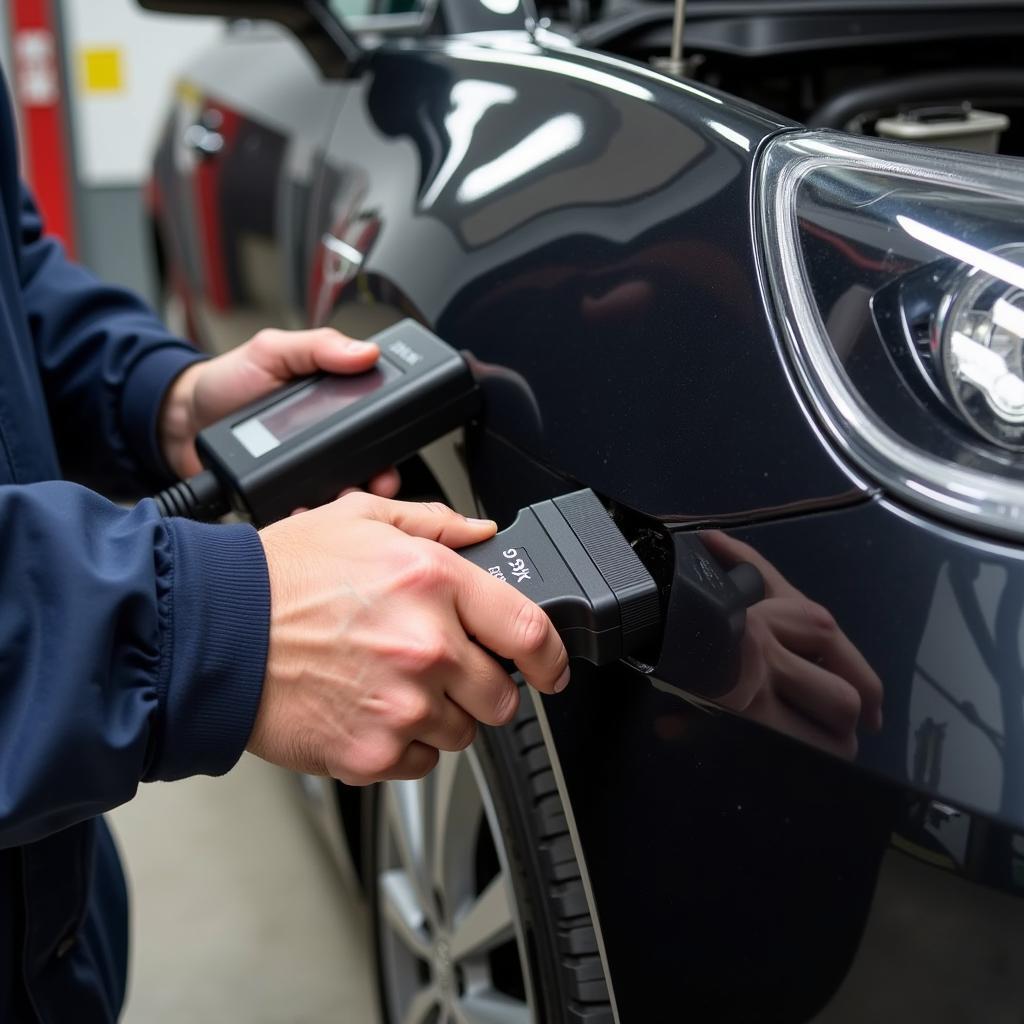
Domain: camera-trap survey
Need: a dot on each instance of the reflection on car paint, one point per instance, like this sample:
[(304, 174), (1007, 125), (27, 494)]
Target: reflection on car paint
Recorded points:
[(966, 724), (945, 638), (799, 673), (470, 101)]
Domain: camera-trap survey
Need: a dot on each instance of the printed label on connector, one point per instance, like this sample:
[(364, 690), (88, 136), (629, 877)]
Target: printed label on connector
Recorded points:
[(517, 566)]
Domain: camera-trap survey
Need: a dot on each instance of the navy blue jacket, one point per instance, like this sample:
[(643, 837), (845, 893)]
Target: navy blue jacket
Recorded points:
[(132, 648)]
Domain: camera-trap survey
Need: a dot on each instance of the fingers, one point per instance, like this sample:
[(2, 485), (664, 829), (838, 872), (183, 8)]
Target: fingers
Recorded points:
[(417, 761), (810, 631), (754, 671), (386, 484), (511, 625), (483, 688), (383, 485), (431, 520), (805, 627), (777, 715), (285, 354), (450, 729), (822, 696)]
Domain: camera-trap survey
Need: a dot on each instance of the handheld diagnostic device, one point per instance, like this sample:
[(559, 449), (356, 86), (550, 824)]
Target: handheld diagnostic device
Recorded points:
[(306, 442)]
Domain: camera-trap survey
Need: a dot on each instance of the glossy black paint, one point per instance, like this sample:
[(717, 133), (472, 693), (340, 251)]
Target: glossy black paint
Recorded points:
[(608, 278), (752, 861), (746, 898), (768, 851), (613, 290), (939, 614)]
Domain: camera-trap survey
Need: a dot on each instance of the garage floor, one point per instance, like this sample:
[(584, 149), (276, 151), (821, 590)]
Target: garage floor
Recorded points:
[(238, 912)]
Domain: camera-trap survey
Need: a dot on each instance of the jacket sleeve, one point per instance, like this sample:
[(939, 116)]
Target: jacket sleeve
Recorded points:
[(131, 648), (105, 360)]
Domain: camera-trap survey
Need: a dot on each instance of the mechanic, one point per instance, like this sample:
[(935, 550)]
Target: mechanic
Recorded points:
[(135, 648)]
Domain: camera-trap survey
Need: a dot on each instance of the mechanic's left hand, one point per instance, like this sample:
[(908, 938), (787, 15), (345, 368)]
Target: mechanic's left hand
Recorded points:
[(209, 391)]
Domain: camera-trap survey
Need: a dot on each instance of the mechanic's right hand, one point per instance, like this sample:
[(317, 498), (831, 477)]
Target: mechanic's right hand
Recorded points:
[(372, 667), (799, 672)]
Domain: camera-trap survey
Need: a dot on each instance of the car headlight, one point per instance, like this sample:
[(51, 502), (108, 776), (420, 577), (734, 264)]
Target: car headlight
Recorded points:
[(980, 331), (898, 274)]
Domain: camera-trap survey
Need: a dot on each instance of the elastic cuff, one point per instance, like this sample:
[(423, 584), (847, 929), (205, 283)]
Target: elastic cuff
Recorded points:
[(143, 396), (215, 650)]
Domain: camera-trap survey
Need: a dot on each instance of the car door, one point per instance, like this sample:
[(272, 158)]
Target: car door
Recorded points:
[(234, 179)]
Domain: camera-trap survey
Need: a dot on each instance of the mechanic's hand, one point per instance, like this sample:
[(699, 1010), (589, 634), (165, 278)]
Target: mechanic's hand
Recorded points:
[(372, 668), (799, 672), (209, 391)]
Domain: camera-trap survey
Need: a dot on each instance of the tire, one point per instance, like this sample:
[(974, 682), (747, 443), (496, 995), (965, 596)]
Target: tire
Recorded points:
[(510, 883)]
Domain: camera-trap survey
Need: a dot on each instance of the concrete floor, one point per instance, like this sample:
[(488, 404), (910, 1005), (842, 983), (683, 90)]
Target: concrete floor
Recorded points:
[(238, 913)]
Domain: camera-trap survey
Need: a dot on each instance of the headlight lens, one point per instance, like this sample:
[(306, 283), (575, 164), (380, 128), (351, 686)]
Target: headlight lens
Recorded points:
[(898, 273), (980, 331)]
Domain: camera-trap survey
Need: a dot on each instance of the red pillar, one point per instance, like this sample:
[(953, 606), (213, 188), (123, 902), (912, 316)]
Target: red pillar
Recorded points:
[(40, 95)]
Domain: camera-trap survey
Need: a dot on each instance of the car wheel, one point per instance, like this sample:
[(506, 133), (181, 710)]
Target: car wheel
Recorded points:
[(478, 906)]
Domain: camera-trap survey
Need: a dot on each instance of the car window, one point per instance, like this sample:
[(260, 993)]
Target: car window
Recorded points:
[(363, 8)]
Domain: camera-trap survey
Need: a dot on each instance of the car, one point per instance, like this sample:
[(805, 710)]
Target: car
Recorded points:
[(733, 294)]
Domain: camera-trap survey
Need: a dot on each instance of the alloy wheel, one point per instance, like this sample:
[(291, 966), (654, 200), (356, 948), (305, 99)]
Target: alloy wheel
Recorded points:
[(450, 938)]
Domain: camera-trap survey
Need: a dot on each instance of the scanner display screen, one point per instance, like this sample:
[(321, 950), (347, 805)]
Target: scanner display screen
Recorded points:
[(294, 414)]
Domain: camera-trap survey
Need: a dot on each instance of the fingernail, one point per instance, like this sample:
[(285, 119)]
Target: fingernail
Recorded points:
[(563, 680), (482, 522), (359, 348)]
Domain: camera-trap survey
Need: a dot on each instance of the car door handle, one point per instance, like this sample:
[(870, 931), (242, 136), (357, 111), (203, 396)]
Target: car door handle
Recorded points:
[(341, 260), (203, 140)]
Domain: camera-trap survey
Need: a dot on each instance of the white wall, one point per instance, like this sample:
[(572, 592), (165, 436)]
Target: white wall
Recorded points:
[(135, 57), (5, 38)]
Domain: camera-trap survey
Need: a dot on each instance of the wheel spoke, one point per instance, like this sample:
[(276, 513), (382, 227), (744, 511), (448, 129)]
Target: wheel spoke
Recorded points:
[(423, 1004), (456, 812), (490, 1007), (487, 924), (403, 911), (442, 785), (406, 808)]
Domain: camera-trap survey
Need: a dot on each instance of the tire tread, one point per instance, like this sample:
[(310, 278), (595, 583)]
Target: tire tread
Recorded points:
[(580, 969)]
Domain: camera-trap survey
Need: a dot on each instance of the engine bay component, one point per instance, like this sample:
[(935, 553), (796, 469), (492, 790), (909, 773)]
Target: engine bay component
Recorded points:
[(960, 127)]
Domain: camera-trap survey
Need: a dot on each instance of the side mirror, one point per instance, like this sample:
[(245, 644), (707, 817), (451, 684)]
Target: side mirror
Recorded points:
[(336, 53)]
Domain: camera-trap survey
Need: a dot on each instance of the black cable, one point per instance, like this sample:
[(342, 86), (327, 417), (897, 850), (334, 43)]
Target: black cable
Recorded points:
[(200, 497)]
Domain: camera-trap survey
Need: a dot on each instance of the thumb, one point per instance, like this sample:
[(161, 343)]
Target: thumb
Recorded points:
[(268, 360), (282, 355), (430, 519)]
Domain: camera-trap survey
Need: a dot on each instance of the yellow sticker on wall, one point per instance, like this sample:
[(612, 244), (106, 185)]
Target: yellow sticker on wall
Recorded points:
[(102, 69)]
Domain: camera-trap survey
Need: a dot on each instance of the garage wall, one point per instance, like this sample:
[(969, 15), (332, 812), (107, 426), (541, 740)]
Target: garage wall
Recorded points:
[(121, 64), (5, 44)]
